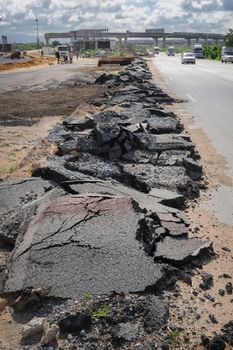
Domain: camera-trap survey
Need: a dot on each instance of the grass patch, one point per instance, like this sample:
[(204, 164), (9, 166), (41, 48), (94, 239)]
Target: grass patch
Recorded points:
[(102, 312), (18, 135), (12, 168), (2, 172), (173, 337), (67, 114), (87, 297), (13, 153)]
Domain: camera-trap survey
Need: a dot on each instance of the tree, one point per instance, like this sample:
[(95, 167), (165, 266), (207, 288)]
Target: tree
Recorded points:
[(229, 38), (56, 43)]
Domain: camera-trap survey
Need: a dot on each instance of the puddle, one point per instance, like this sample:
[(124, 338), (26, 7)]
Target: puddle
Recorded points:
[(221, 204), (20, 122)]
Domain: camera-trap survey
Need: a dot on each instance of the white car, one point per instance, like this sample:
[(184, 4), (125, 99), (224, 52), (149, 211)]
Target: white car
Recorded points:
[(188, 57)]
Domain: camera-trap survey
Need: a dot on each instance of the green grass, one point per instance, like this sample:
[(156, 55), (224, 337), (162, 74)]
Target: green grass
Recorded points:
[(13, 153), (173, 337), (2, 172), (87, 297), (102, 312), (12, 168), (27, 47), (19, 135), (67, 113)]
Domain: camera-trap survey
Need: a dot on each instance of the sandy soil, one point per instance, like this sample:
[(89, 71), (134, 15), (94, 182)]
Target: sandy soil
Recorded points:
[(18, 145), (191, 309), (60, 101), (36, 61)]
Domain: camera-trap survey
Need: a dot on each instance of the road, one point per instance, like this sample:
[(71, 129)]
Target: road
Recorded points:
[(43, 77), (208, 87)]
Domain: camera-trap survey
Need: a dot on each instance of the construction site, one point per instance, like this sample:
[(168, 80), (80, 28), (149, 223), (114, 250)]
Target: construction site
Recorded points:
[(115, 228)]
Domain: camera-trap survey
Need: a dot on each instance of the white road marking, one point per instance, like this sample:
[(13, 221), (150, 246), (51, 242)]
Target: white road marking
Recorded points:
[(191, 98)]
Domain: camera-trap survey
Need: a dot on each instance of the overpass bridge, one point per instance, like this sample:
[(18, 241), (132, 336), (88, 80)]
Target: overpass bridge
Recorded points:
[(103, 34)]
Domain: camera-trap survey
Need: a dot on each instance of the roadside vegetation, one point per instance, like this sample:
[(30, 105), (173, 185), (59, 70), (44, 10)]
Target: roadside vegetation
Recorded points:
[(229, 39), (213, 52), (28, 47)]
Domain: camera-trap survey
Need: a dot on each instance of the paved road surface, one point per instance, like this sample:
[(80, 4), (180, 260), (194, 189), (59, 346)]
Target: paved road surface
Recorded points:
[(43, 76), (208, 87)]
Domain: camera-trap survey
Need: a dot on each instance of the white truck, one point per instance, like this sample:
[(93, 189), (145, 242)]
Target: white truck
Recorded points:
[(227, 54), (156, 50), (171, 51), (63, 50), (198, 51)]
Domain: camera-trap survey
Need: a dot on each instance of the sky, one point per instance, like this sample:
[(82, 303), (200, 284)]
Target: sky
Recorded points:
[(19, 23)]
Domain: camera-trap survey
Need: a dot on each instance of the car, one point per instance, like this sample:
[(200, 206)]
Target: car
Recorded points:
[(188, 57)]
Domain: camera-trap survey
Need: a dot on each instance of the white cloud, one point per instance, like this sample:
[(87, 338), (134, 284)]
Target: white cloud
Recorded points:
[(121, 15)]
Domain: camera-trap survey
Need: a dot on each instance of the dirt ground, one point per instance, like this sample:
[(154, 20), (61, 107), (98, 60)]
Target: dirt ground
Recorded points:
[(191, 309), (36, 61), (60, 101), (23, 147)]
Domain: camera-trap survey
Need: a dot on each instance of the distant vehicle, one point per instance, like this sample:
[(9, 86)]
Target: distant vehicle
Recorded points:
[(227, 54), (16, 55), (188, 57), (156, 50), (171, 51), (198, 51), (101, 53), (63, 50)]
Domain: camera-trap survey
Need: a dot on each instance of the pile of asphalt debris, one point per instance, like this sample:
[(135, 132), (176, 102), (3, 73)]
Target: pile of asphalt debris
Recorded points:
[(98, 234)]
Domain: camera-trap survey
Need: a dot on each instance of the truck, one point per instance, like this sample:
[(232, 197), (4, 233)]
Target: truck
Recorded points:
[(171, 51), (156, 50), (63, 50), (198, 51), (227, 54)]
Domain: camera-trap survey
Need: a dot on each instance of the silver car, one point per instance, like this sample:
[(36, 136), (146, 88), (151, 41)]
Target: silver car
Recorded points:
[(188, 57)]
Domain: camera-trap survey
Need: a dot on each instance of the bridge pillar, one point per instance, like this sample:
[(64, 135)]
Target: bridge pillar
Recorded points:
[(120, 42), (164, 42), (189, 42), (125, 41), (46, 41), (197, 40), (156, 41), (96, 45)]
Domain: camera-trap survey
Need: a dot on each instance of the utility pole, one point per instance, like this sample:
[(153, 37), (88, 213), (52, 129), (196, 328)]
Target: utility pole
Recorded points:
[(37, 33)]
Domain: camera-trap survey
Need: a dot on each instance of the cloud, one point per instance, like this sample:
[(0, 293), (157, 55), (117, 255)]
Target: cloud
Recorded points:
[(227, 5), (201, 5), (119, 15)]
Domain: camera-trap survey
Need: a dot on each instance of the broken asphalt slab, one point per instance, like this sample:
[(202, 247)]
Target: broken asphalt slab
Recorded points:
[(83, 244), (16, 193)]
